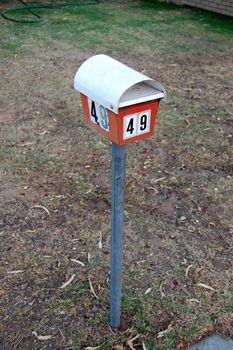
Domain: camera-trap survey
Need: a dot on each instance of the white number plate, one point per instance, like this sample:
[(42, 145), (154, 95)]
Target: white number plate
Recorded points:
[(98, 115), (136, 124)]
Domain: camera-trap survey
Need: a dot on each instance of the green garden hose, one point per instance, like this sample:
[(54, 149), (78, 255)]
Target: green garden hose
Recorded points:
[(30, 8)]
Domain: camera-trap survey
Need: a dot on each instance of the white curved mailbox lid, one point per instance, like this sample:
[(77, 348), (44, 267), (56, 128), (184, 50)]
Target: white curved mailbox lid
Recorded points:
[(113, 84)]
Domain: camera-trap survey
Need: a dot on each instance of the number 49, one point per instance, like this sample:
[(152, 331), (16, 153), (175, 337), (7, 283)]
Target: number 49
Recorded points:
[(136, 124)]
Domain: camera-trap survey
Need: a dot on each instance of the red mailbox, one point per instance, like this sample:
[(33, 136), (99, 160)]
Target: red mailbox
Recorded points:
[(118, 101)]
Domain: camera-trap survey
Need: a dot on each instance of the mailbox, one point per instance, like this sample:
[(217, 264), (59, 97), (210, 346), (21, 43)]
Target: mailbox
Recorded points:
[(118, 101)]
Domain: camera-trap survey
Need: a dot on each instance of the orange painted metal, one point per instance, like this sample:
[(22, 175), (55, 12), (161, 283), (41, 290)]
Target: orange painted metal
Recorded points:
[(141, 107), (116, 122)]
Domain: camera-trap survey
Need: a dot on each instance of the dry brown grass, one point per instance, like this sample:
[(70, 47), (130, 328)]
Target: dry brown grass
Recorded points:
[(178, 222)]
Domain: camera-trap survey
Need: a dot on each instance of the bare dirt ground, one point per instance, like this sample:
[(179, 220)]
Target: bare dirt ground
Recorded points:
[(55, 207)]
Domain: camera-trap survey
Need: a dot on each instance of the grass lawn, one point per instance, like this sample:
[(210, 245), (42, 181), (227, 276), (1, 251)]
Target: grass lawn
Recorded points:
[(55, 182)]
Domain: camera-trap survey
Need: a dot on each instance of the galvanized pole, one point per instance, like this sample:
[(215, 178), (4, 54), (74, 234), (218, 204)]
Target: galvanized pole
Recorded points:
[(117, 228)]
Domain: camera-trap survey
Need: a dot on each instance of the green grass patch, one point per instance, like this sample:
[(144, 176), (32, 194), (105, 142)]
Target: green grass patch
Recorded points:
[(229, 307), (130, 303), (207, 20), (190, 332), (64, 304), (166, 343), (81, 288), (120, 28)]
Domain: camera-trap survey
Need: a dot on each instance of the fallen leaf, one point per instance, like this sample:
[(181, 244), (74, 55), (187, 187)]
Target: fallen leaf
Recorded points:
[(93, 348), (68, 282), (92, 289), (27, 144), (106, 252), (193, 300), (41, 207), (180, 345), (42, 133), (198, 206), (198, 272), (78, 262), (206, 329), (158, 180), (44, 337), (16, 271), (100, 241), (130, 342), (141, 262), (144, 346), (187, 270), (148, 291), (202, 285), (165, 331), (161, 291), (175, 282)]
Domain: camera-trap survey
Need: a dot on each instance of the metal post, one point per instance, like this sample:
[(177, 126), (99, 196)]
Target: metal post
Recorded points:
[(117, 228)]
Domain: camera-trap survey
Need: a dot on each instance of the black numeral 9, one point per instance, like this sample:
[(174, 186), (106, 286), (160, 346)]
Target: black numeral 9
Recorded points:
[(143, 121)]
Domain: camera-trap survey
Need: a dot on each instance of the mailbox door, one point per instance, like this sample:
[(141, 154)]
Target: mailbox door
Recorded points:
[(137, 122), (100, 118)]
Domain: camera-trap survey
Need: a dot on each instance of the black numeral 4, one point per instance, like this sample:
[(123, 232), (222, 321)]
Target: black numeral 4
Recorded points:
[(130, 127), (93, 112)]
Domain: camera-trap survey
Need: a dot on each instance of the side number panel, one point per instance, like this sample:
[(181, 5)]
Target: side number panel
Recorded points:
[(98, 115)]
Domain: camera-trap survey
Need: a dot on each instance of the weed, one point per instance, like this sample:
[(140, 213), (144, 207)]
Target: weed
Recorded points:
[(66, 304), (81, 288), (190, 332), (130, 303), (229, 308), (167, 343)]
